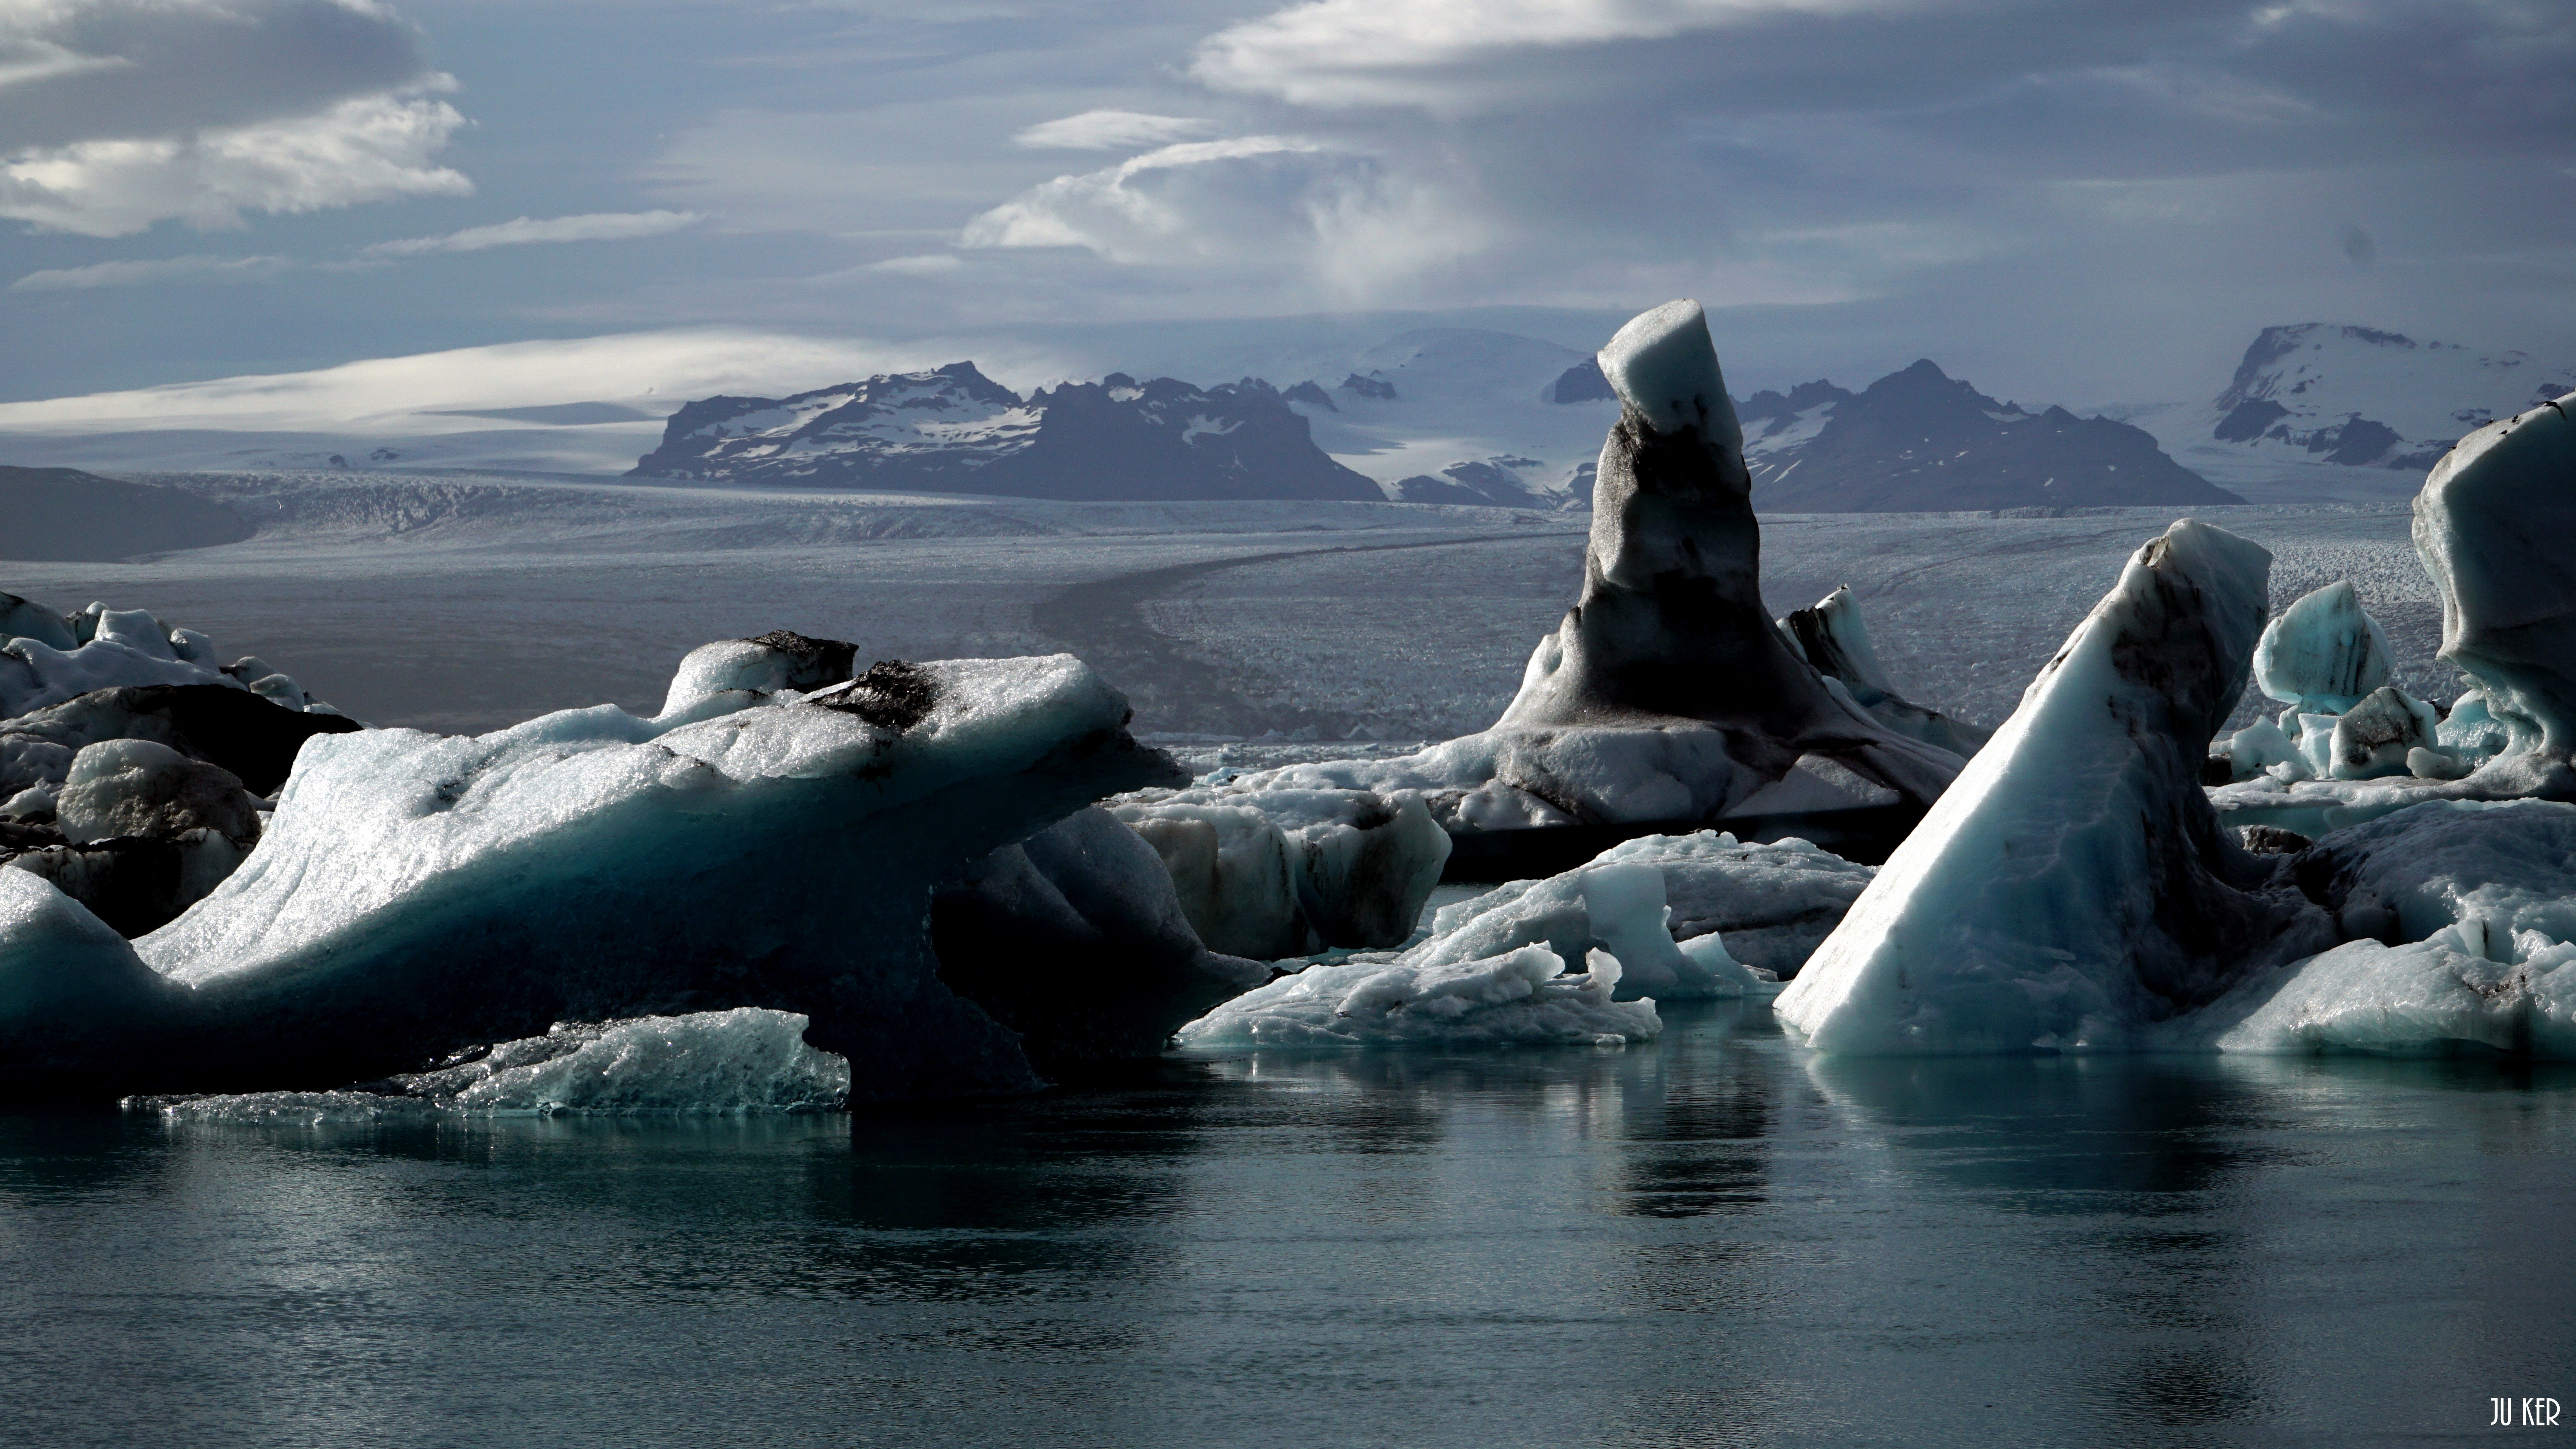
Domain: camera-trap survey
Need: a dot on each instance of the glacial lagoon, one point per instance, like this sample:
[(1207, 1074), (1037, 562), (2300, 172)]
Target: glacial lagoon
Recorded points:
[(1714, 1238)]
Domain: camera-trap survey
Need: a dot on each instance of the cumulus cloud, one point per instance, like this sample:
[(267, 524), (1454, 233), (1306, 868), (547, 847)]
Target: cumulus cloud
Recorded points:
[(1343, 215), (149, 273), (528, 231), (1112, 131), (116, 114)]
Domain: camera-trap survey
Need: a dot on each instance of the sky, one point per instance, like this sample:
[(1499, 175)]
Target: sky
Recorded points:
[(2092, 204)]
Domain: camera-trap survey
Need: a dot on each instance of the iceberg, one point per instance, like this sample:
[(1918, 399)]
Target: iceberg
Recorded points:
[(2075, 886), (2491, 526), (252, 738), (1830, 635), (47, 658), (1075, 940), (1768, 906), (414, 894), (1521, 998), (2464, 914), (2323, 653), (1667, 695), (734, 1062), (1268, 873)]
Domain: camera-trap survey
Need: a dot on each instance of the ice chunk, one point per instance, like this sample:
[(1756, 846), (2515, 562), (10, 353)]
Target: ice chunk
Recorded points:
[(780, 659), (2374, 737), (1518, 999), (1772, 904), (1357, 865), (2323, 653), (2493, 524), (223, 726), (1231, 872), (1829, 634), (22, 619), (2074, 885), (1623, 907), (743, 1060), (2468, 909), (415, 894), (1076, 940), (2259, 747), (140, 788), (706, 1063)]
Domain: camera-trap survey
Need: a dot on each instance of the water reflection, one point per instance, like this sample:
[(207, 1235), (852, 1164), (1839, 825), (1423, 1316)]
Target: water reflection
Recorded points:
[(1713, 1239)]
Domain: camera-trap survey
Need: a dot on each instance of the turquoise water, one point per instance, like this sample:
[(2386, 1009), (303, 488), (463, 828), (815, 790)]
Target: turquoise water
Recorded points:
[(1716, 1239)]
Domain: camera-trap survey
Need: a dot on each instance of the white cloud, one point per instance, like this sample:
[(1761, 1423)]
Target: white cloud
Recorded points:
[(922, 266), (1373, 52), (118, 114), (527, 231), (649, 368), (1251, 204), (148, 273), (1112, 131)]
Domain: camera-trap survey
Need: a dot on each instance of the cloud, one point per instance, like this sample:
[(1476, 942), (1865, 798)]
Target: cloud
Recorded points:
[(1112, 131), (654, 369), (1375, 52), (527, 231), (1250, 202), (149, 273), (923, 266), (118, 114)]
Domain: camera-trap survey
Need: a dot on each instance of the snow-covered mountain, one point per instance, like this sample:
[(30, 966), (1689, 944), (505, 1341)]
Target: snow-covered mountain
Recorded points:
[(1443, 413), (953, 430), (2365, 398), (1922, 441)]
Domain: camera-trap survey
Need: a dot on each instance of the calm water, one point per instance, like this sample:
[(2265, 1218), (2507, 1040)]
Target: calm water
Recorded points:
[(1715, 1240)]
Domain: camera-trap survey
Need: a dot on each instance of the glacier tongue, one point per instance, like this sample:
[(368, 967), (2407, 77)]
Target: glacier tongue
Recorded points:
[(2074, 885)]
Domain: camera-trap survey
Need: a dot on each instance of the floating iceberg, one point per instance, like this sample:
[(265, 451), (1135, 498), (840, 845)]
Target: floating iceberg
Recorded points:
[(2491, 526), (1267, 873), (2466, 912), (1829, 634), (2074, 885), (2323, 653), (1667, 695), (252, 738), (47, 658), (414, 894), (1769, 905), (1075, 940), (714, 1062), (1517, 999)]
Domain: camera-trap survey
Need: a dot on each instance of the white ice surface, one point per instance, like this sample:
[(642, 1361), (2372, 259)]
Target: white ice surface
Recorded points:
[(2481, 898), (2012, 915), (737, 1062), (1516, 999)]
